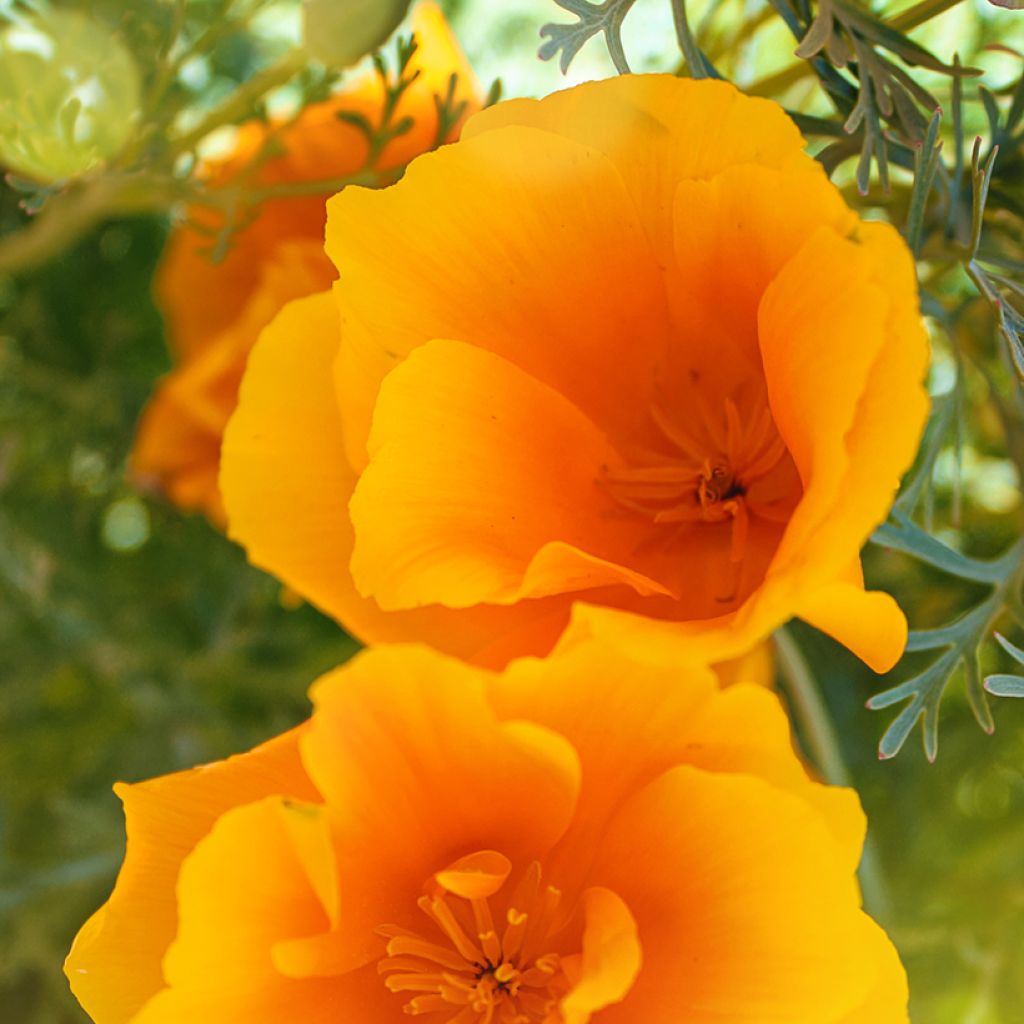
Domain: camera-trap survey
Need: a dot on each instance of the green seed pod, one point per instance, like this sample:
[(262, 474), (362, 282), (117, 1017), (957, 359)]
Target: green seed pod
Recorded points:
[(69, 95), (338, 32)]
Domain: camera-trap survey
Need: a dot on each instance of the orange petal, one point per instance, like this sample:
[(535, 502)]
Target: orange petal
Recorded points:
[(179, 439), (755, 666), (115, 963), (890, 417), (438, 56), (268, 1000), (483, 485), (745, 729), (627, 722), (836, 431), (666, 715), (733, 234), (318, 150), (886, 1003), (415, 724), (284, 475), (823, 294), (287, 483), (869, 623), (517, 241), (611, 957), (659, 130), (744, 909), (857, 429), (235, 909), (477, 876), (417, 769), (317, 146)]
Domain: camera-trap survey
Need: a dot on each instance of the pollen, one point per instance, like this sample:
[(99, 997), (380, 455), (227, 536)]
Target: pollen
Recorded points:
[(481, 959)]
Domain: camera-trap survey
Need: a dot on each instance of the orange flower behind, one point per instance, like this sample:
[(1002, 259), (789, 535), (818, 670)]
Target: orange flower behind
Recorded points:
[(214, 312), (622, 356), (578, 838)]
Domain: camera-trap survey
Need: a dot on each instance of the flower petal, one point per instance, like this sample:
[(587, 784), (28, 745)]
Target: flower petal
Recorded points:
[(518, 241), (659, 130), (287, 482), (745, 729), (483, 485), (821, 325), (115, 963), (733, 234), (856, 429), (284, 475), (886, 1003), (869, 623), (398, 726), (626, 735), (235, 908), (179, 439), (754, 666), (417, 770), (627, 722), (744, 911), (317, 146), (611, 957)]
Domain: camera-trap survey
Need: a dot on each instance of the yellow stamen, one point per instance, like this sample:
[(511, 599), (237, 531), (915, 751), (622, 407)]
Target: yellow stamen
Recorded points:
[(509, 979), (706, 481)]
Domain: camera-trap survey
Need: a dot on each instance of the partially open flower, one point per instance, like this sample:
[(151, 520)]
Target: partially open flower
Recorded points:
[(622, 355), (215, 311), (578, 838)]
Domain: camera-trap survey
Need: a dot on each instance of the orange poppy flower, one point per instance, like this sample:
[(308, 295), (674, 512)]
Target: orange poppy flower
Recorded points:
[(621, 355), (581, 837), (214, 312)]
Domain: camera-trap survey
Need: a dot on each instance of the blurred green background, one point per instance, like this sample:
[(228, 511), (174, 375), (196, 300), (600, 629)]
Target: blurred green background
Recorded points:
[(135, 640)]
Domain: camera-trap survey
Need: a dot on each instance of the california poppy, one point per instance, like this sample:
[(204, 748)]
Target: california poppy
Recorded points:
[(622, 357), (215, 311), (580, 837)]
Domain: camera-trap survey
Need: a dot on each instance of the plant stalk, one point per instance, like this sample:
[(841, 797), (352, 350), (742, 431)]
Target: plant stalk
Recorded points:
[(822, 743)]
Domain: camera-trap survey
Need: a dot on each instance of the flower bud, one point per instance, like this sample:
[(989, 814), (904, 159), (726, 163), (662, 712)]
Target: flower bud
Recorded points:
[(69, 95), (339, 32)]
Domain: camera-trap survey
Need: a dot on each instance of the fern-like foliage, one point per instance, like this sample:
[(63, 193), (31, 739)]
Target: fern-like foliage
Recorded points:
[(886, 110), (955, 644), (1007, 684), (592, 18)]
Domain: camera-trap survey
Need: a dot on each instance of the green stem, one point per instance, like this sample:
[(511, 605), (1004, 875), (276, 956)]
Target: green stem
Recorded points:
[(921, 13), (64, 219), (240, 104), (694, 60), (823, 748), (810, 711), (71, 214)]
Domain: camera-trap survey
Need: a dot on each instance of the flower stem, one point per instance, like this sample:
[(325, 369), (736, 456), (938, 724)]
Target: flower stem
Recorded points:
[(240, 104), (688, 45), (920, 13), (822, 743)]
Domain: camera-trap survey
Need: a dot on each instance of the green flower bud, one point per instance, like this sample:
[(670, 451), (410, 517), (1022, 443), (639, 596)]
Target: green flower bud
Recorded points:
[(338, 32), (69, 95)]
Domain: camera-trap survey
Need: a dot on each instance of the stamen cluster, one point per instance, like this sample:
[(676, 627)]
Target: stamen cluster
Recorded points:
[(475, 974)]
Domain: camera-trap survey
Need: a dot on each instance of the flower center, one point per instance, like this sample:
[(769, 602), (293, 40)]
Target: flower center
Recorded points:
[(471, 968), (714, 480)]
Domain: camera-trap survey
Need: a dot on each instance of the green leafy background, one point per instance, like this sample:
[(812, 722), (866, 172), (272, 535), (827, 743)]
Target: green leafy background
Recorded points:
[(135, 640)]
